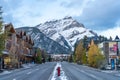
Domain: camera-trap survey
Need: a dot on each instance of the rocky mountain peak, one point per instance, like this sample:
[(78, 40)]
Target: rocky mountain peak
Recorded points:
[(65, 31), (67, 17)]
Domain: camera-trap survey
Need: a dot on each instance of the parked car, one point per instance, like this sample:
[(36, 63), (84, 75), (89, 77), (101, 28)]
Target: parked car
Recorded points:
[(118, 67), (108, 67)]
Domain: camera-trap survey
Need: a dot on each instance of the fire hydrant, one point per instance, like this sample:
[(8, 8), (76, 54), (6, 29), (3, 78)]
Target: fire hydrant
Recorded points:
[(58, 71)]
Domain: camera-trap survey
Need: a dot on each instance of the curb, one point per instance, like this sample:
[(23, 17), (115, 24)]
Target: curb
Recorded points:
[(51, 73), (50, 76)]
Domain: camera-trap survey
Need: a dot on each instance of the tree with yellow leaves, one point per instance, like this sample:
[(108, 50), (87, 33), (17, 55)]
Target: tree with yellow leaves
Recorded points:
[(95, 57), (80, 53)]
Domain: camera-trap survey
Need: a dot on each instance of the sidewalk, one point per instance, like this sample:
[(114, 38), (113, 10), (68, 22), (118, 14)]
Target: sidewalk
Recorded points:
[(113, 72), (28, 65), (24, 66)]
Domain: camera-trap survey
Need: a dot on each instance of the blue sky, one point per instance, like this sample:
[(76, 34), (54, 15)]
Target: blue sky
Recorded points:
[(103, 16)]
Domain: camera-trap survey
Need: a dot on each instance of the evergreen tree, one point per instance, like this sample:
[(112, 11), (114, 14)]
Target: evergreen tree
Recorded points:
[(44, 56), (85, 42), (74, 55), (100, 38), (2, 40), (49, 58), (70, 59), (110, 38), (39, 56)]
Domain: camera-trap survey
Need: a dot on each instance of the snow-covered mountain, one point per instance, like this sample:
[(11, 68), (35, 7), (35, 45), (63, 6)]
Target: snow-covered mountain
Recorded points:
[(44, 42), (65, 31)]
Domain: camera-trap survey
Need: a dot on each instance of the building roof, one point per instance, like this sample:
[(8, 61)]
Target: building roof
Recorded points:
[(9, 27)]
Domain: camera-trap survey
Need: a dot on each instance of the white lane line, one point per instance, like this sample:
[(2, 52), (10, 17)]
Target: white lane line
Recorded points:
[(32, 71), (29, 72), (14, 79), (37, 69), (91, 75), (117, 74)]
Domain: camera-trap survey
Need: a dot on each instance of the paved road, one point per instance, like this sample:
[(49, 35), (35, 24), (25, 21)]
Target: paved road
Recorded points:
[(72, 71), (40, 72), (78, 72)]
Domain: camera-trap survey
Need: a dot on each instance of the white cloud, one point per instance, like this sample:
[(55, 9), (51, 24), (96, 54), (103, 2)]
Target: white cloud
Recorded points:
[(118, 23), (110, 32), (34, 12), (6, 0), (94, 14)]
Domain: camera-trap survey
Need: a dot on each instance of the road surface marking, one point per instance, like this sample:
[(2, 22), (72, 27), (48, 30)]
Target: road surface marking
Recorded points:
[(37, 69), (91, 75), (29, 72), (117, 74), (14, 79)]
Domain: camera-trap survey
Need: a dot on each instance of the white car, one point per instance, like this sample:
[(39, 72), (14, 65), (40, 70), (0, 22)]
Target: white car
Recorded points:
[(108, 67)]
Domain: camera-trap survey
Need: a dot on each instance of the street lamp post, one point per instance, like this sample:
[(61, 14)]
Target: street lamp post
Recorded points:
[(117, 40), (0, 64)]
